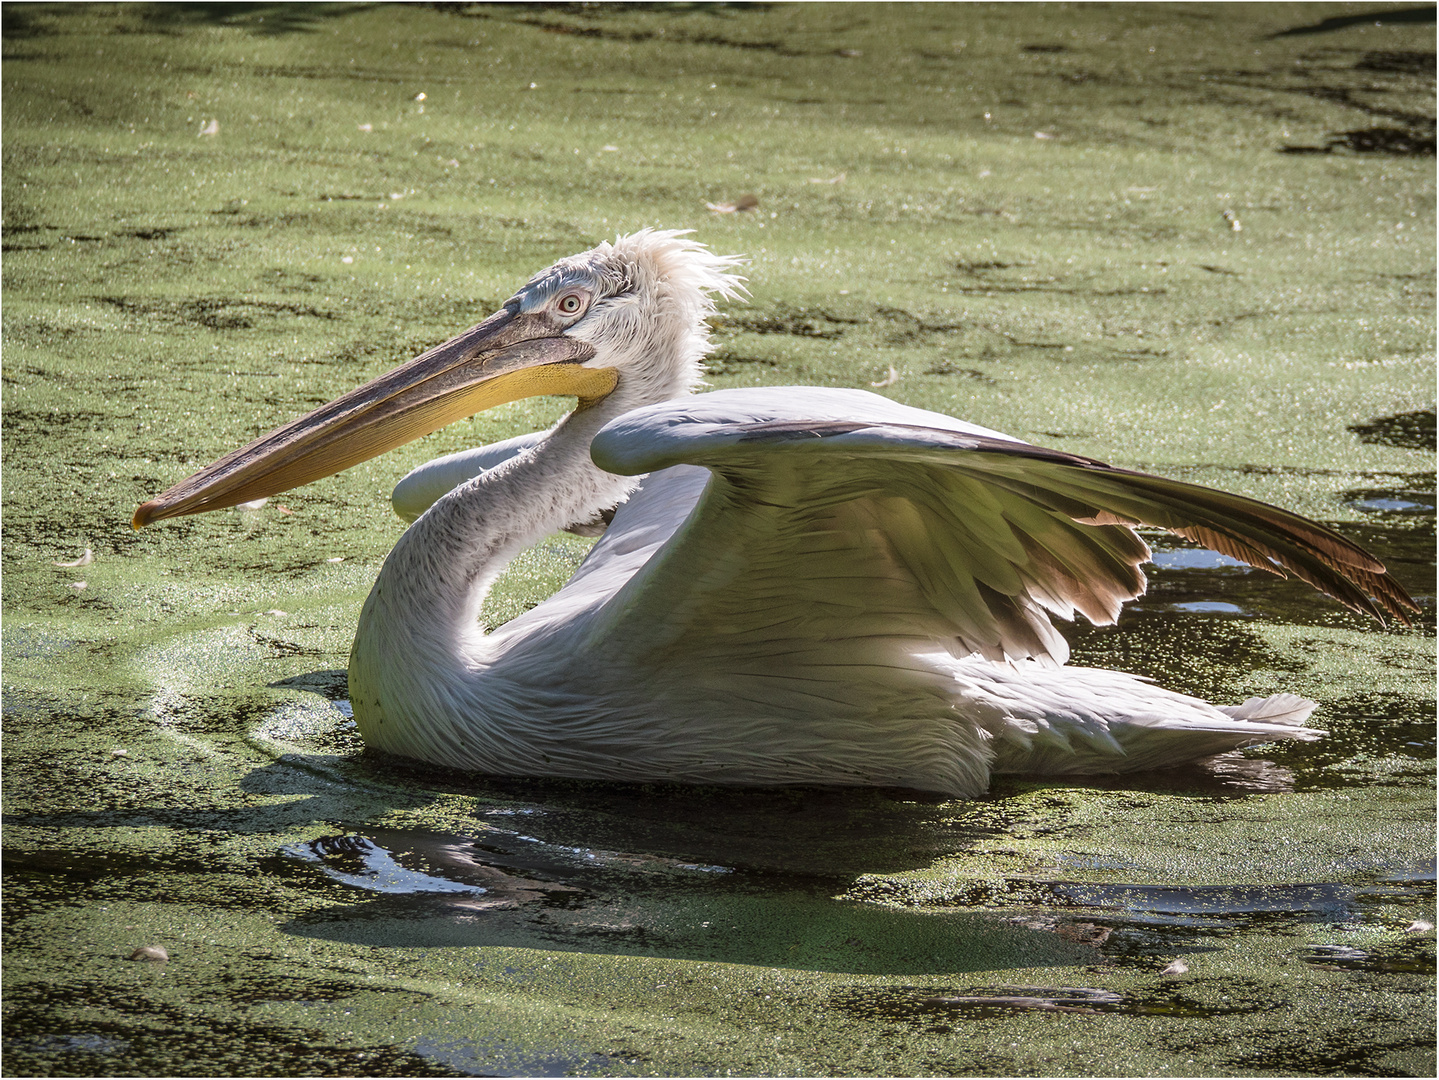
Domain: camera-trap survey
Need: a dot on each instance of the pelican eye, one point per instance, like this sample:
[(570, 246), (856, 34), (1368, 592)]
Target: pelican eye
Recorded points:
[(570, 304)]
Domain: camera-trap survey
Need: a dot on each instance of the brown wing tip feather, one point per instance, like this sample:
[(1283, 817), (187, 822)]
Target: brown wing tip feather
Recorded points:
[(1361, 589)]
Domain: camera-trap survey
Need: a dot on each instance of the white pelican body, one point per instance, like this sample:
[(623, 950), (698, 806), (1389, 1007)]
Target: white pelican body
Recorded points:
[(799, 585)]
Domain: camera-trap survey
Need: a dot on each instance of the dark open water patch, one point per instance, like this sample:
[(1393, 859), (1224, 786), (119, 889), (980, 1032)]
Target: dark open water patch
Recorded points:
[(1388, 501), (1376, 1048), (1197, 584), (1408, 431), (938, 1009), (804, 322), (1405, 16), (213, 312), (147, 1037), (495, 1057), (1400, 142), (1398, 61), (1393, 88), (812, 839), (1412, 957), (1165, 916), (599, 21)]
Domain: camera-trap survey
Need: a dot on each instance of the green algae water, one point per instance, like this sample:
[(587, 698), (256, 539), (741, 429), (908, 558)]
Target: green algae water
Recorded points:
[(1197, 240)]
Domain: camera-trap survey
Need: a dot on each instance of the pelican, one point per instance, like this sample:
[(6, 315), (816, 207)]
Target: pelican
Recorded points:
[(797, 586)]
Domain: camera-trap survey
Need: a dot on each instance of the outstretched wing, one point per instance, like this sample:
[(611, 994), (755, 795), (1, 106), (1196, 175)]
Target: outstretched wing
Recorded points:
[(836, 517)]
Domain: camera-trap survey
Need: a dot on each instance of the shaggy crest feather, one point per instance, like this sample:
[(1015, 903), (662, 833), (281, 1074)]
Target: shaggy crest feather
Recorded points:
[(661, 288)]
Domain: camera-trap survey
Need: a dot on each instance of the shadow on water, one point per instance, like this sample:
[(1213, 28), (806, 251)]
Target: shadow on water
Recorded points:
[(811, 840), (506, 888)]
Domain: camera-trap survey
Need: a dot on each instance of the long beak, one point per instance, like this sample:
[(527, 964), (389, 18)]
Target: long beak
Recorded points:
[(511, 355)]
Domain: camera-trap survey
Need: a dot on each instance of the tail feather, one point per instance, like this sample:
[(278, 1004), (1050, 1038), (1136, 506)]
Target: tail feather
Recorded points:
[(1286, 710), (1082, 721)]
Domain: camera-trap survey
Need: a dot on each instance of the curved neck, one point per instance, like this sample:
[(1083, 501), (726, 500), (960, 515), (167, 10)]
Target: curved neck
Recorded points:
[(419, 643), (436, 578)]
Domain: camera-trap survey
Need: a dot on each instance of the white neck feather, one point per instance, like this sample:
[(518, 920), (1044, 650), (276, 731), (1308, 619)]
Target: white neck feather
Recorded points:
[(420, 652), (436, 578)]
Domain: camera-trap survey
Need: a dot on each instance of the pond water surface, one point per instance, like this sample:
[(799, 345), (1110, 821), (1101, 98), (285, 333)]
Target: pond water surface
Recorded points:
[(1196, 240)]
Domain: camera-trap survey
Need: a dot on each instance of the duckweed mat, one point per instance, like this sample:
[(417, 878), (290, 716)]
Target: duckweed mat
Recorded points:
[(1194, 239)]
